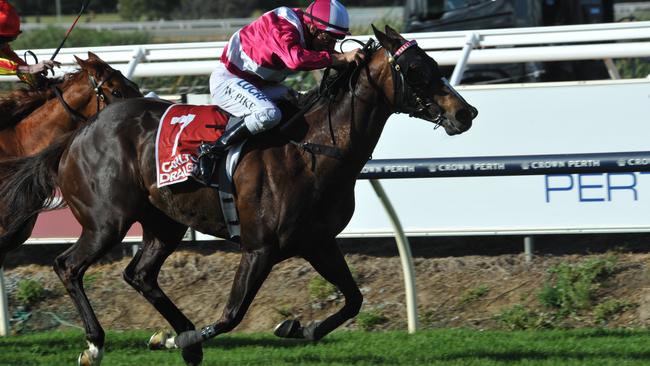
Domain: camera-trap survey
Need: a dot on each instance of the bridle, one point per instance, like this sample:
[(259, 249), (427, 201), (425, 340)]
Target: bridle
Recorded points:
[(100, 97), (406, 98), (99, 92)]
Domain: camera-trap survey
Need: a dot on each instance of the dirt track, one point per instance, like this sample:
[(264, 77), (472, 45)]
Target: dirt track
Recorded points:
[(447, 270)]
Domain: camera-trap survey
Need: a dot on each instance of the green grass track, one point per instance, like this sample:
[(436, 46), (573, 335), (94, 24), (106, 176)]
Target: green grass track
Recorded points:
[(438, 347)]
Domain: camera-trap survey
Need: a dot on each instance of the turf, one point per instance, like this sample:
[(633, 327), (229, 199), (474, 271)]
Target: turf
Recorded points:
[(437, 347)]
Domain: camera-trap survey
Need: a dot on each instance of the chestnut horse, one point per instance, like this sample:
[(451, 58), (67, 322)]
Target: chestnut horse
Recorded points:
[(31, 119), (292, 198)]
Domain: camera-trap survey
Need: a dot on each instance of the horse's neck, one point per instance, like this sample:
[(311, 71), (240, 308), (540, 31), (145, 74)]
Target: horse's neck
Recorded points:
[(50, 120), (357, 121)]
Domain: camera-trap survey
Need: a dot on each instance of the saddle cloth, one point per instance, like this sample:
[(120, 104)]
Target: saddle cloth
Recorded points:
[(182, 129)]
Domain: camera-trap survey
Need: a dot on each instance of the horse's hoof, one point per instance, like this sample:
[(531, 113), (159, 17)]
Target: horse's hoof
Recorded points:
[(193, 355), (289, 328), (86, 358), (162, 339)]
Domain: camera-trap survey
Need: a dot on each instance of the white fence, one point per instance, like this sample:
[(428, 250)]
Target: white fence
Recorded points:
[(594, 41)]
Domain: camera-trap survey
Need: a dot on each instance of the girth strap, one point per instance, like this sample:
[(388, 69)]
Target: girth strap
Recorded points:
[(331, 151), (313, 149)]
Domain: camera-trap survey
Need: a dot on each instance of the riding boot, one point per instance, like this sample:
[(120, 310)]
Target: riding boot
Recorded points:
[(210, 152)]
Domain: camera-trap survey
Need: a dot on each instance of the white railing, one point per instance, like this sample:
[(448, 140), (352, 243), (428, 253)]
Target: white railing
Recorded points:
[(559, 43)]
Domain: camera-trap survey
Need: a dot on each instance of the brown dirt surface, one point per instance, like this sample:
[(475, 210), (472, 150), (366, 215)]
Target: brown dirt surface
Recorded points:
[(449, 274)]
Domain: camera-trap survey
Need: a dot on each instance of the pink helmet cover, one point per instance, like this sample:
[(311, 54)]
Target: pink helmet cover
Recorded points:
[(330, 16)]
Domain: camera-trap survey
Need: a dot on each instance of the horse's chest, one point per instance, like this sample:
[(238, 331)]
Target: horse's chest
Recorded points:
[(329, 210)]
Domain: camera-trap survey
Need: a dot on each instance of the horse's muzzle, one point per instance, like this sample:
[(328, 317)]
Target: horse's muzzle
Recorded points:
[(461, 122)]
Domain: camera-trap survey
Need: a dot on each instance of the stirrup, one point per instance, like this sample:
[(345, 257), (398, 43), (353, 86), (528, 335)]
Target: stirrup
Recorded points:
[(207, 161)]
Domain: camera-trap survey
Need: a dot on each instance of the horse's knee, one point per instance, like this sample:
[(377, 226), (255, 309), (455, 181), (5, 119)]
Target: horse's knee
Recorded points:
[(131, 278), (61, 269)]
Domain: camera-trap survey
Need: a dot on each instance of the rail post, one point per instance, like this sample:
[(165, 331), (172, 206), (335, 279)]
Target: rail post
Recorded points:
[(4, 306), (405, 256)]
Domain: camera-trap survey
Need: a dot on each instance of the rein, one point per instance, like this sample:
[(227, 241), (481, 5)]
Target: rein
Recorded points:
[(325, 89), (99, 96)]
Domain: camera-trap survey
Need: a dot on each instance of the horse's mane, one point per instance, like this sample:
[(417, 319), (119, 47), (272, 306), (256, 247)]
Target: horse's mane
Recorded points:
[(341, 80), (22, 102)]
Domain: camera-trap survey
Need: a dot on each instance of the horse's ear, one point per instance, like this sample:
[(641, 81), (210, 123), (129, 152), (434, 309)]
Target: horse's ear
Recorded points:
[(80, 62), (92, 56), (376, 31), (386, 41), (392, 33)]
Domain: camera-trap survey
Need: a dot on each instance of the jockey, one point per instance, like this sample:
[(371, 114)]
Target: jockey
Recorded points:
[(260, 55), (10, 63)]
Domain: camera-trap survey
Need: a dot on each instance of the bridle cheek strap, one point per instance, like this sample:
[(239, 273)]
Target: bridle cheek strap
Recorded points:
[(399, 84)]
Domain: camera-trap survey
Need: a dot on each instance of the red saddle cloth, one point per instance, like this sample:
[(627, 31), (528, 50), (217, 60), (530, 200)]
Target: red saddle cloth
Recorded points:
[(182, 129)]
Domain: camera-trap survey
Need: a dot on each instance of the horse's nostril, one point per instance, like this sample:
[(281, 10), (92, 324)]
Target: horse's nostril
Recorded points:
[(464, 115)]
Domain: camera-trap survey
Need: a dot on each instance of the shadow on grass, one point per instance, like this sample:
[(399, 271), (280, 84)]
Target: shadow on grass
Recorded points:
[(239, 342), (540, 355)]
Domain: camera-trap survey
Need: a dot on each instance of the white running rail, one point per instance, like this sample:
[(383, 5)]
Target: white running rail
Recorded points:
[(558, 43)]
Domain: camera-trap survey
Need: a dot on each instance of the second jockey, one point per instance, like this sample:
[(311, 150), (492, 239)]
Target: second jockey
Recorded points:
[(261, 55), (10, 63)]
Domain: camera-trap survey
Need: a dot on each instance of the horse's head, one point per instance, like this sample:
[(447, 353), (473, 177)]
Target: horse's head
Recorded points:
[(419, 87), (108, 84)]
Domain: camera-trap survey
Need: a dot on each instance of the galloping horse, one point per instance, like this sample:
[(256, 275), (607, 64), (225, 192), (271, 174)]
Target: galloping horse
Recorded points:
[(31, 120), (292, 199)]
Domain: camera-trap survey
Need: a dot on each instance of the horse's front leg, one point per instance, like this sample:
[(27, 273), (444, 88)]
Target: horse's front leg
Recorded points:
[(328, 261), (253, 269), (70, 266)]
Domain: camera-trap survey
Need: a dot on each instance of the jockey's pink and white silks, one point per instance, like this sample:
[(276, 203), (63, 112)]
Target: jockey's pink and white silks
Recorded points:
[(272, 47), (256, 59)]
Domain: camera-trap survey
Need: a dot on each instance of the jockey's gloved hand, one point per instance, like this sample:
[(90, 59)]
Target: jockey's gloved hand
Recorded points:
[(41, 67), (343, 59)]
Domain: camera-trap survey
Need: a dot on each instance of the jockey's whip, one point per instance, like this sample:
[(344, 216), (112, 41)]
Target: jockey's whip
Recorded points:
[(84, 5)]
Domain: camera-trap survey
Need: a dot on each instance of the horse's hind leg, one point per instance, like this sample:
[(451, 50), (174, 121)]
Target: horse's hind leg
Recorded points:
[(161, 236), (11, 241), (71, 265), (328, 261), (253, 269)]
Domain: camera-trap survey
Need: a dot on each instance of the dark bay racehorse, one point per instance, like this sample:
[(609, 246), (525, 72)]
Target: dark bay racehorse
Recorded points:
[(292, 201), (31, 119)]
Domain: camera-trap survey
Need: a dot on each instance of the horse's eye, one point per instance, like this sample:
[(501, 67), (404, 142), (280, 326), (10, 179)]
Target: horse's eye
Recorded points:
[(117, 93), (416, 77)]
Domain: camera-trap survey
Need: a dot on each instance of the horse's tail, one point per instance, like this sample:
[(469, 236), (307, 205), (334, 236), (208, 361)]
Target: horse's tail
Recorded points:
[(28, 184)]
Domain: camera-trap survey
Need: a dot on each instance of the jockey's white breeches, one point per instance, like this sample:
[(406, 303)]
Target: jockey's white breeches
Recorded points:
[(242, 99)]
